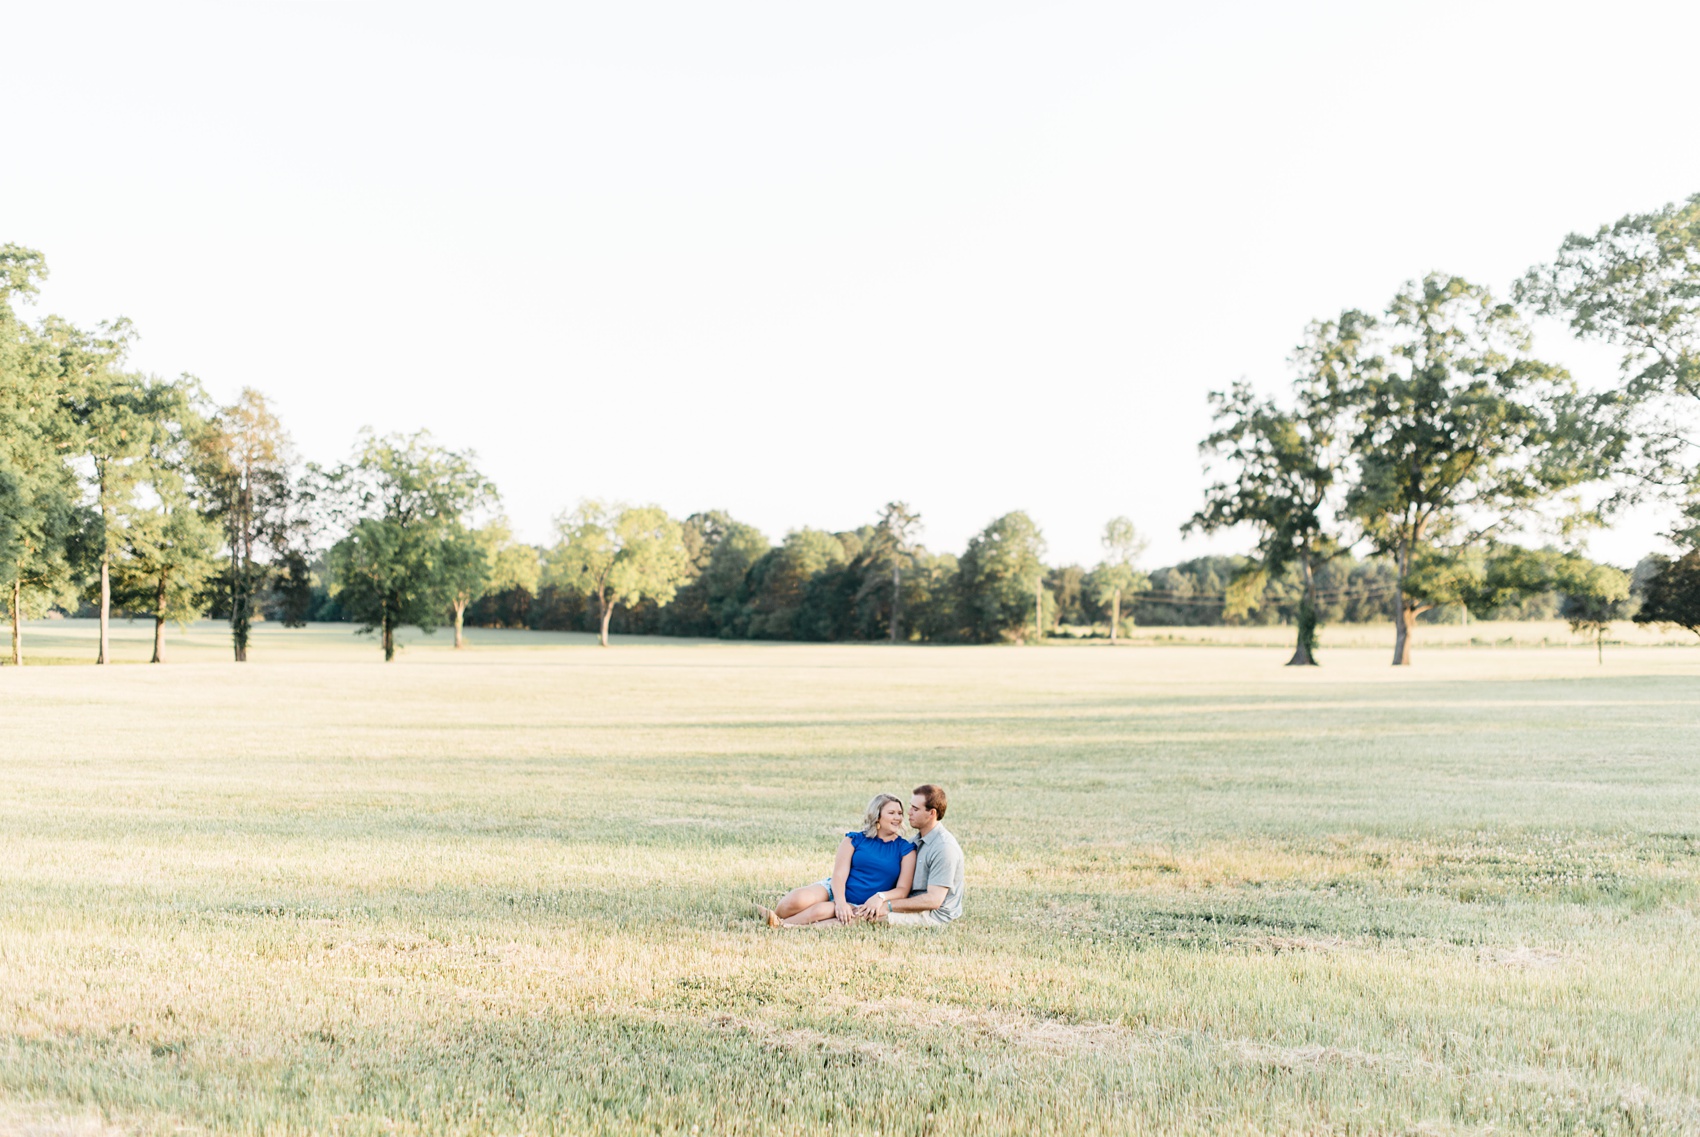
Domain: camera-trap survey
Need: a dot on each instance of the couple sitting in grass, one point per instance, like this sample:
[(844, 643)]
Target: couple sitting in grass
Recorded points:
[(881, 876)]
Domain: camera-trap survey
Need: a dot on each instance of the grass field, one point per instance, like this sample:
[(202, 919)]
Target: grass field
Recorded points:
[(507, 890)]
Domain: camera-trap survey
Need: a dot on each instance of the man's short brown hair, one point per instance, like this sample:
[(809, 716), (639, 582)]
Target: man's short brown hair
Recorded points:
[(933, 797)]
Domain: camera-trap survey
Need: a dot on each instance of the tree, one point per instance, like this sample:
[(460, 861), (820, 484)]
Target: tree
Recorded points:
[(1117, 575), (488, 559), (1067, 585), (1636, 284), (894, 539), (619, 555), (1287, 464), (1457, 434), (933, 596), (1594, 596), (294, 589), (1000, 579), (404, 505), (245, 462), (1496, 576), (514, 566), (779, 581), (171, 541), (720, 552), (712, 600), (510, 595), (1672, 594), (465, 568), (41, 521), (836, 597), (114, 417)]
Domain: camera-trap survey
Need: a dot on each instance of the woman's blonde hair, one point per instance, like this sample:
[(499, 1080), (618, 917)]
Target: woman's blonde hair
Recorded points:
[(871, 820)]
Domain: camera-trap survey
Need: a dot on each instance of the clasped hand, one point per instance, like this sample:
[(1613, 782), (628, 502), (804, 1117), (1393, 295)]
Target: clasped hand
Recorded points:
[(869, 909)]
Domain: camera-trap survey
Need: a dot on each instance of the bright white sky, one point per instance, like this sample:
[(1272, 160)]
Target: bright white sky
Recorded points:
[(796, 260)]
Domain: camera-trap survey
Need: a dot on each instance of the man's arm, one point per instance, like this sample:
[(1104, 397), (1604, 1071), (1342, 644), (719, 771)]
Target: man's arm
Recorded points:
[(928, 901)]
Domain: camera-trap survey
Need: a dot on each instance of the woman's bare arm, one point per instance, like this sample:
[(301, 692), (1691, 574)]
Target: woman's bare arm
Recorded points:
[(840, 877)]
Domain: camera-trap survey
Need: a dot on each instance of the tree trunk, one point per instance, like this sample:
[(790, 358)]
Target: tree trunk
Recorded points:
[(1115, 614), (389, 636), (1403, 621), (1404, 630), (896, 591), (238, 609), (105, 606), (1404, 609), (239, 574), (460, 621), (1304, 653), (607, 614), (17, 623), (241, 568), (1302, 656), (159, 622), (1039, 612), (1600, 647)]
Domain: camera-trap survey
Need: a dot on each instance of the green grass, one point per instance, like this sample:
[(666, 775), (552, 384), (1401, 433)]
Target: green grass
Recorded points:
[(506, 891)]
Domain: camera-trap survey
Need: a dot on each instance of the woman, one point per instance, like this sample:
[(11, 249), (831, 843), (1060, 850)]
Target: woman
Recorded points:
[(874, 863)]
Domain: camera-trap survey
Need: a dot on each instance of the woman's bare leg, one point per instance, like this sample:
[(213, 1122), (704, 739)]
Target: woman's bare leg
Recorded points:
[(799, 899), (813, 914)]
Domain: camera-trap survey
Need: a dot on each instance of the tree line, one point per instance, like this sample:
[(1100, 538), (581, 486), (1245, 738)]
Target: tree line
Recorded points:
[(1387, 481), (834, 602), (128, 492)]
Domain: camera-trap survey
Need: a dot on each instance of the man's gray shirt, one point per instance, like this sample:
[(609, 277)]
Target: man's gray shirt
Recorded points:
[(939, 861)]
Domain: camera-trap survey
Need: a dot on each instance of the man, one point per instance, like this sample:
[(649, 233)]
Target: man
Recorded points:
[(935, 894)]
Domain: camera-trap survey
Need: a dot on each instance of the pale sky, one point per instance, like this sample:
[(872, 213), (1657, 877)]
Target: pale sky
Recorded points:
[(797, 260)]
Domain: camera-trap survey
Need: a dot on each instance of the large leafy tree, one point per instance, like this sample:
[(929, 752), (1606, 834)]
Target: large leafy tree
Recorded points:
[(1117, 576), (115, 417), (1287, 465), (1636, 284), (1000, 578), (619, 555), (404, 505), (41, 520), (1459, 434), (171, 541), (244, 468)]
